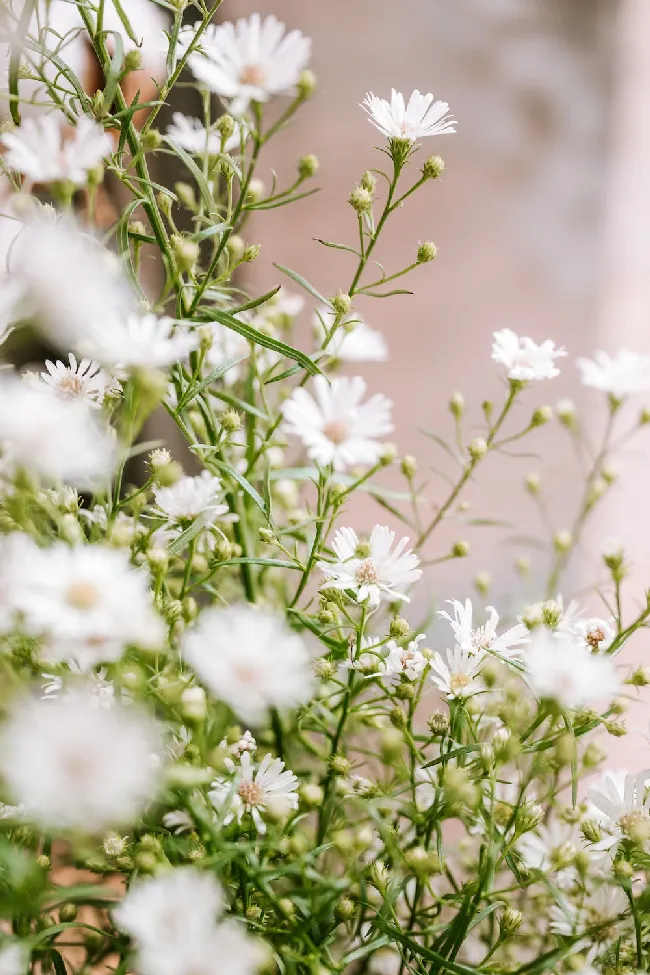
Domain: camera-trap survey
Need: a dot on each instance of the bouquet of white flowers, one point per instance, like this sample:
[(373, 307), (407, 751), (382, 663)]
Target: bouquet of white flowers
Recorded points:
[(225, 747)]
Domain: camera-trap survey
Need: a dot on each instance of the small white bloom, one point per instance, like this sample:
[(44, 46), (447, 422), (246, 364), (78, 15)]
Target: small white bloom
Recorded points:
[(335, 426), (190, 134), (14, 958), (77, 766), (421, 116), (540, 848), (523, 358), (249, 659), (246, 743), (509, 645), (456, 673), (353, 341), (594, 633), (621, 798), (140, 341), (601, 904), (374, 576), (101, 690), (406, 661), (48, 149), (190, 497), (16, 552), (89, 603), (564, 670), (114, 845), (254, 791), (84, 381), (51, 438), (626, 372), (250, 61)]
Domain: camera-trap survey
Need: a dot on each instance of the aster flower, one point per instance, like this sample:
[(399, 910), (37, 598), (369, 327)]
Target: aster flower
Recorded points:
[(523, 358), (508, 646), (190, 134), (562, 669), (101, 690), (422, 116), (175, 921), (88, 603), (620, 797), (47, 149), (594, 633), (77, 766), (353, 341), (335, 426), (456, 673), (376, 574), (549, 847), (51, 438), (190, 497), (626, 372), (249, 659), (14, 958), (269, 788), (601, 904), (141, 341), (250, 61), (408, 661), (84, 381)]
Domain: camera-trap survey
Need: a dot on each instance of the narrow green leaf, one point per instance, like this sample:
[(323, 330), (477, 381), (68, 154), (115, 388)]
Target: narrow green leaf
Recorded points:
[(14, 58), (476, 920), (115, 70), (256, 301), (281, 201), (338, 247), (386, 294), (215, 375), (273, 563), (245, 485), (125, 22), (211, 231), (122, 239), (178, 544), (365, 950), (254, 335), (302, 282), (421, 952), (201, 181)]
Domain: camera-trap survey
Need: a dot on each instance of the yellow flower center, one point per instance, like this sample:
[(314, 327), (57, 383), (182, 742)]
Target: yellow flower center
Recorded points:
[(82, 595), (252, 74), (366, 574), (336, 431), (459, 682), (250, 793)]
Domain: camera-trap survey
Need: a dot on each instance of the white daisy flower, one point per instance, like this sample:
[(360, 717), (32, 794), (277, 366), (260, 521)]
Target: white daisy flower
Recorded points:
[(16, 553), (509, 645), (141, 341), (47, 149), (89, 603), (406, 661), (624, 373), (190, 134), (621, 798), (175, 921), (562, 669), (101, 690), (456, 673), (523, 358), (601, 904), (335, 426), (14, 958), (353, 341), (51, 438), (373, 576), (84, 381), (250, 660), (420, 117), (190, 497), (549, 846), (77, 766), (270, 788), (250, 61), (595, 633)]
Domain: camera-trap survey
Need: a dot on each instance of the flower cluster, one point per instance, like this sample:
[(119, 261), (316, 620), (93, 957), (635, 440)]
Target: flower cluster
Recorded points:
[(412, 788)]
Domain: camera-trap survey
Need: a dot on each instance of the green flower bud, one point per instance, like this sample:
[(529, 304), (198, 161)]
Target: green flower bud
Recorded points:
[(409, 466), (563, 541), (460, 549), (225, 126), (438, 723), (151, 140), (185, 251), (186, 195), (457, 405), (399, 627), (426, 252), (340, 765), (510, 920), (324, 668), (345, 909), (541, 416), (478, 448), (360, 199), (433, 167), (251, 252), (341, 303), (308, 166), (132, 60), (306, 83)]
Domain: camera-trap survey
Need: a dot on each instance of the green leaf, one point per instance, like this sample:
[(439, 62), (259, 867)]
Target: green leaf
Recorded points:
[(476, 920), (272, 563), (125, 22), (338, 247), (215, 375), (302, 282), (57, 962), (365, 950), (14, 59), (201, 181), (178, 544), (254, 335), (280, 201), (255, 302), (421, 952), (115, 70), (245, 485), (211, 231), (122, 238)]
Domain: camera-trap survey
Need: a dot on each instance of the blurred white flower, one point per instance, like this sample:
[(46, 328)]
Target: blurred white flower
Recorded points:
[(174, 919), (421, 116), (406, 661), (563, 669), (509, 645), (102, 691), (51, 438), (250, 660), (335, 426), (374, 576), (77, 766), (594, 633), (268, 788), (601, 904), (140, 341), (16, 552), (456, 672), (48, 149), (14, 958), (626, 372), (178, 821), (250, 61), (88, 603), (190, 497), (523, 358), (190, 134), (353, 341), (80, 380), (549, 846), (621, 798)]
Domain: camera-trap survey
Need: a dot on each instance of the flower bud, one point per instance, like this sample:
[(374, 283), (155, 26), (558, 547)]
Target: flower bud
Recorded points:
[(478, 448), (324, 668), (368, 181), (341, 303), (193, 703), (391, 742), (541, 416), (388, 454), (522, 565), (70, 529), (438, 723), (311, 794), (114, 845), (251, 252), (422, 862), (426, 252), (225, 126), (623, 870), (563, 541), (482, 582), (433, 167), (616, 728), (566, 412), (345, 909), (457, 405), (340, 765), (150, 141), (306, 83), (593, 755), (132, 60), (308, 166), (510, 920), (460, 549), (533, 483), (399, 627), (591, 831), (235, 247), (409, 466), (380, 876), (186, 195), (185, 251), (360, 199)]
